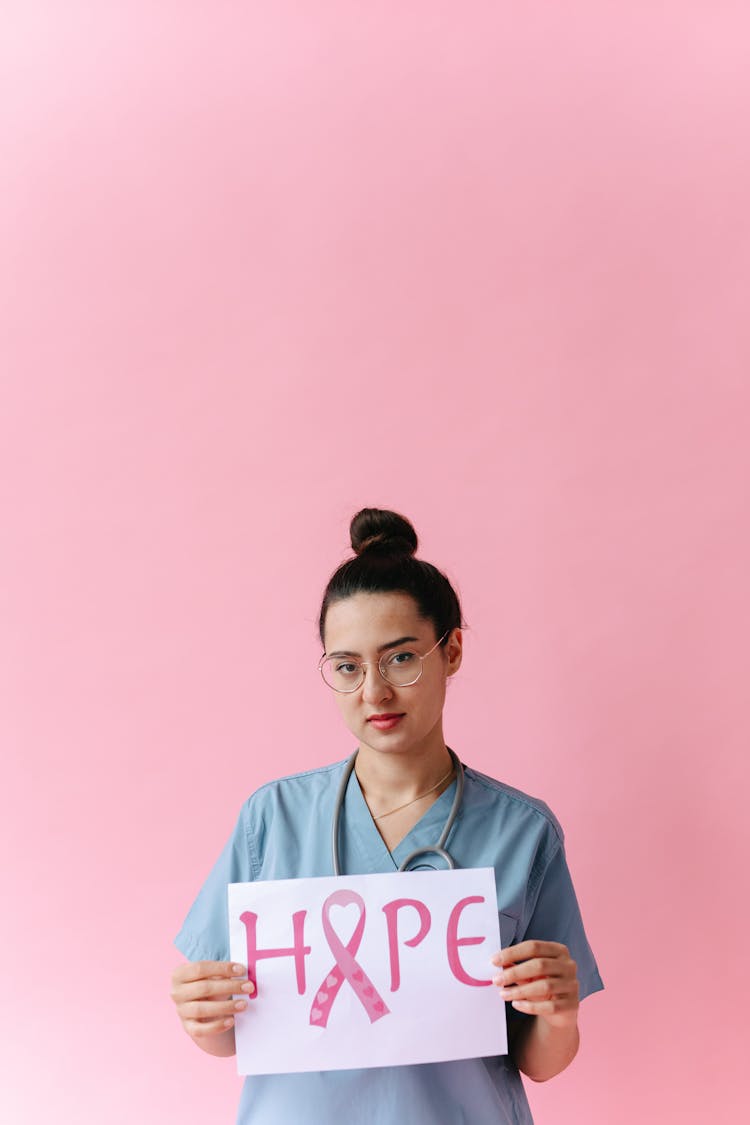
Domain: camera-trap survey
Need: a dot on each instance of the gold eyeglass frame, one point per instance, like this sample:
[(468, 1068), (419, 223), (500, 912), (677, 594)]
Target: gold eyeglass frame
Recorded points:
[(369, 663)]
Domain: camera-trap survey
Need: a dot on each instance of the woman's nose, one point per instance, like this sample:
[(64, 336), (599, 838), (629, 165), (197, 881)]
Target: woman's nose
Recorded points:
[(375, 686)]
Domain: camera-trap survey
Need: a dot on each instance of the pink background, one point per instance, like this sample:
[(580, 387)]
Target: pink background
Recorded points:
[(263, 264)]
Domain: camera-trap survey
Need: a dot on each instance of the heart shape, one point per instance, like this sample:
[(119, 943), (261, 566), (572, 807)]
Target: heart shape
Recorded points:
[(331, 980), (345, 919), (322, 997), (379, 1006), (359, 975), (369, 991), (316, 1015)]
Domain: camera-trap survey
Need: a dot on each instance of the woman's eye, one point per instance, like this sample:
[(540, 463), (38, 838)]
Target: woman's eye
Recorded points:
[(346, 669), (401, 658)]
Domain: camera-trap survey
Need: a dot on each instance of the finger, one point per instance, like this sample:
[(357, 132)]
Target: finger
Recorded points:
[(211, 990), (211, 1009), (548, 988), (525, 950), (205, 970), (545, 1007), (197, 1030), (538, 967)]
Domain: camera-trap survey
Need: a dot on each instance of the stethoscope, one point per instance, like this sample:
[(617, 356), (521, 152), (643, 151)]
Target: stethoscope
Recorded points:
[(436, 849)]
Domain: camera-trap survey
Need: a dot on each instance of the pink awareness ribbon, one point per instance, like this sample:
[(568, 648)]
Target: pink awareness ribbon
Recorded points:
[(346, 966)]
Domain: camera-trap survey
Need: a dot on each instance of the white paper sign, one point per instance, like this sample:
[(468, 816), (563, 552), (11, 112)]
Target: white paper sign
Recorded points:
[(367, 970)]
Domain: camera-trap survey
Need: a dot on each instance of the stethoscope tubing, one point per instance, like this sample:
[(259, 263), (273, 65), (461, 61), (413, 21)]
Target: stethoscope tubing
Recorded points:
[(436, 849)]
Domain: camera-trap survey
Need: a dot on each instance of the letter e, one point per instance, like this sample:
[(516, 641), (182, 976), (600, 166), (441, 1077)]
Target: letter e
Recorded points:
[(453, 942)]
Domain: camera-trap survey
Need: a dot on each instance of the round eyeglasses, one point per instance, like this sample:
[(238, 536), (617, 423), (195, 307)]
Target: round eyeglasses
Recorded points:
[(401, 668)]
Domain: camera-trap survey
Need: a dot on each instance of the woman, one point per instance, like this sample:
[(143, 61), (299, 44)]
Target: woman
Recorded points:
[(390, 625)]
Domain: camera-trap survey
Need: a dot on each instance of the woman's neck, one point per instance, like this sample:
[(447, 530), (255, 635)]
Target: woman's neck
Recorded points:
[(388, 780)]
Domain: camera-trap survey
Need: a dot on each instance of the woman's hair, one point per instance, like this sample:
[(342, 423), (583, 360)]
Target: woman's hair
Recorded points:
[(384, 544)]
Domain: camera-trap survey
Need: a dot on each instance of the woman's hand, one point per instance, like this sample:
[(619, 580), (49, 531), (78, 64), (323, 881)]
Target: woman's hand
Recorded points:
[(540, 979), (203, 993)]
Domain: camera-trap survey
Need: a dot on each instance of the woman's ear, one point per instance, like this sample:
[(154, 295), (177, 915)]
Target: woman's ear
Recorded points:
[(454, 651)]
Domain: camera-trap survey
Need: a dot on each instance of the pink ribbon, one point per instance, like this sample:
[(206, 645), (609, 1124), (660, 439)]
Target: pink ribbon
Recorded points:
[(346, 966)]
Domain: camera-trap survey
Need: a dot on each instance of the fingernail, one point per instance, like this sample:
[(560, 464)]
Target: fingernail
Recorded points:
[(239, 971), (499, 978), (229, 1022), (240, 1005), (506, 993), (249, 987)]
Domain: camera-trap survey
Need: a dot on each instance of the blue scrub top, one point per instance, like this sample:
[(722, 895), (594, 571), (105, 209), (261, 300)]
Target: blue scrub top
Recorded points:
[(284, 832)]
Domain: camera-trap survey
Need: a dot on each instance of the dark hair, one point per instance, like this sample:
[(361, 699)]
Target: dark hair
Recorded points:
[(384, 544)]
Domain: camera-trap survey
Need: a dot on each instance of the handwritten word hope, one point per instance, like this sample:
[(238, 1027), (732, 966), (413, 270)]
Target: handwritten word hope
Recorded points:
[(345, 965)]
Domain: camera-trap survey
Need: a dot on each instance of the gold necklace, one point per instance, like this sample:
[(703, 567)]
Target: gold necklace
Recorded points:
[(420, 798)]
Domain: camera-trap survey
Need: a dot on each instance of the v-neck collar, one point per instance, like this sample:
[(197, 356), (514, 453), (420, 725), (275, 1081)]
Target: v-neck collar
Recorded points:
[(370, 847)]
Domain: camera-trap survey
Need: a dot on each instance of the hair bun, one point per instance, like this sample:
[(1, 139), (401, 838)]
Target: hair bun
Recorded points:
[(381, 531)]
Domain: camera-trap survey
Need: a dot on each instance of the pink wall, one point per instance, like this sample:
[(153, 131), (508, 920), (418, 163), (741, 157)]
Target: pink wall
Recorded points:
[(263, 264)]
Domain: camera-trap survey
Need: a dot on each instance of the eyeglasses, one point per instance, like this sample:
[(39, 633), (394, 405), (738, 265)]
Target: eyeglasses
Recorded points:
[(401, 668)]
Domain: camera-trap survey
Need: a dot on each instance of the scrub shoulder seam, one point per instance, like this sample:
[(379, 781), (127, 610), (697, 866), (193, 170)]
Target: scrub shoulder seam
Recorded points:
[(536, 804), (278, 781)]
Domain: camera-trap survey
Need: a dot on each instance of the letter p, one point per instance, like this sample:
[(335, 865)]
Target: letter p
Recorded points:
[(391, 910)]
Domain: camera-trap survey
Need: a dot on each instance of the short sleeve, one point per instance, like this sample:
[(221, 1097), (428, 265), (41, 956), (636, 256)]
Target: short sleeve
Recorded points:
[(205, 932), (556, 917)]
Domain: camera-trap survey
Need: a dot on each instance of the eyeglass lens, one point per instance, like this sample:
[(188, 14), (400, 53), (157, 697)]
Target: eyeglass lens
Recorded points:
[(398, 668)]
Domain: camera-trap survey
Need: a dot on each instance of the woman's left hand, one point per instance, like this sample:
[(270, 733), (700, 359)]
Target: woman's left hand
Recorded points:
[(540, 979)]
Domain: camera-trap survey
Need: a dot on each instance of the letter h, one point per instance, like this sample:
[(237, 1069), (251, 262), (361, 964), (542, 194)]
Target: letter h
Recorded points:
[(298, 951)]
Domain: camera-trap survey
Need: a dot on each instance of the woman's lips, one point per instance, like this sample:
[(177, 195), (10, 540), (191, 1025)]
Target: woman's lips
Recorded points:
[(385, 722)]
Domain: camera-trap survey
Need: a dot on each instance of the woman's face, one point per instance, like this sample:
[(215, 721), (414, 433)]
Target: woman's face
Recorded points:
[(365, 627)]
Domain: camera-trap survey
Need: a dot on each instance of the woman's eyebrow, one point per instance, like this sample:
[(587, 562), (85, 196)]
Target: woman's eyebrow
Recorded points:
[(389, 644)]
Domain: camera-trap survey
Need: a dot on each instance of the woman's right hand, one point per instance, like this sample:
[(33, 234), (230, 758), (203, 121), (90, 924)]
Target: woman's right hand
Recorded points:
[(203, 993)]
